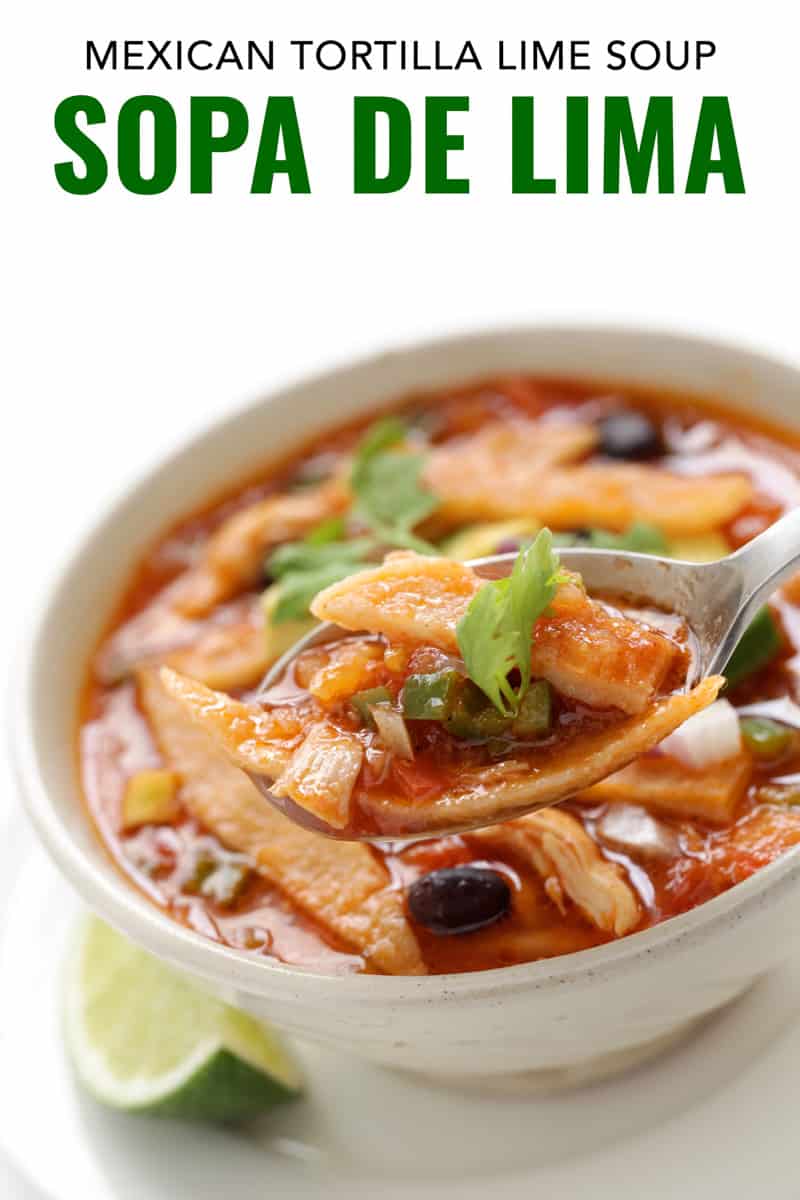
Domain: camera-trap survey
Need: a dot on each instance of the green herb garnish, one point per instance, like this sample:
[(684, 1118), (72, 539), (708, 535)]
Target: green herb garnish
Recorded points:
[(640, 537), (388, 499), (386, 483), (494, 635), (304, 568)]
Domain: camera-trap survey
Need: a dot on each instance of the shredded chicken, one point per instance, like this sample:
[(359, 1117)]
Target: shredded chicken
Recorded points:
[(600, 658), (563, 854), (342, 885), (322, 773)]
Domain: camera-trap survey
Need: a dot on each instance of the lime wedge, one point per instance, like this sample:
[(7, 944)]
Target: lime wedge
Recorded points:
[(144, 1040)]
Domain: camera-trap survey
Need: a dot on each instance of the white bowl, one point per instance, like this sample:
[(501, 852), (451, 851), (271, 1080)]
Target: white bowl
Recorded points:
[(567, 1017)]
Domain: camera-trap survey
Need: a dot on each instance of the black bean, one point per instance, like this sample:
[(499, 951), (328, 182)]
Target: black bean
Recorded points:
[(459, 899), (629, 434)]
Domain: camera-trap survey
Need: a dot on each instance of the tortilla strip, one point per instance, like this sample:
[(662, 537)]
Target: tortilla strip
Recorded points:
[(564, 854), (233, 557), (257, 740), (465, 473), (535, 779), (600, 658), (540, 777), (227, 656), (661, 783), (516, 470), (342, 885)]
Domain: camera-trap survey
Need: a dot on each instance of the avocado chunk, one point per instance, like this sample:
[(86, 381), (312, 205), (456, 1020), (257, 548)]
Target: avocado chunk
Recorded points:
[(151, 798)]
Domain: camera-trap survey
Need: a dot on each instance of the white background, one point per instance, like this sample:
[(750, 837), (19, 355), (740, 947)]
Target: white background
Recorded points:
[(130, 320)]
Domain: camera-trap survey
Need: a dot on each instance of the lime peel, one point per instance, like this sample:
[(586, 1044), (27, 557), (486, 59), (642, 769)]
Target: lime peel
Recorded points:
[(144, 1040)]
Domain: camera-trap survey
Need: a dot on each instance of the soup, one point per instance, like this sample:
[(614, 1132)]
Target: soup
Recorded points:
[(458, 474)]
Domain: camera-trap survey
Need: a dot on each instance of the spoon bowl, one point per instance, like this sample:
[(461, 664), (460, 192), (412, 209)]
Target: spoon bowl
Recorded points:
[(716, 600)]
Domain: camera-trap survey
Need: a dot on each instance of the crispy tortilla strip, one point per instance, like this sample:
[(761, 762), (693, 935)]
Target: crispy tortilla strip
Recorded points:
[(147, 638), (257, 740), (409, 597), (465, 473), (542, 776), (322, 773), (660, 783), (600, 657), (613, 497), (603, 659), (342, 885), (227, 656), (227, 649), (235, 656), (231, 648), (315, 764), (233, 557), (571, 863), (514, 470)]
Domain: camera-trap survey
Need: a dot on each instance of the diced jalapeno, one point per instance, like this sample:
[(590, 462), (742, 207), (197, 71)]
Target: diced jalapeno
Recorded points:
[(430, 697), (362, 701), (766, 739), (474, 716), (204, 865), (759, 644), (534, 714)]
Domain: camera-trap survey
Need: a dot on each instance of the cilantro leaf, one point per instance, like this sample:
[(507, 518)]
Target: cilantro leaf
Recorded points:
[(641, 537), (386, 481), (387, 486), (494, 635), (389, 431), (304, 568)]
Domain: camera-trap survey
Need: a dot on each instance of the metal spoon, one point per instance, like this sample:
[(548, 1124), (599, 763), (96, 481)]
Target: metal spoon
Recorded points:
[(717, 600)]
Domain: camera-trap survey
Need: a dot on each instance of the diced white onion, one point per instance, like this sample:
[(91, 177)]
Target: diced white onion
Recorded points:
[(392, 728), (631, 828), (710, 736)]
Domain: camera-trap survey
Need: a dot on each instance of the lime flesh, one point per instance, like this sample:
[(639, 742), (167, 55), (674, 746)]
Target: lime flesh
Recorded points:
[(145, 1040)]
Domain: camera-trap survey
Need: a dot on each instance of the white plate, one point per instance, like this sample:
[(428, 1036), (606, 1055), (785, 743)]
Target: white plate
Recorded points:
[(717, 1117)]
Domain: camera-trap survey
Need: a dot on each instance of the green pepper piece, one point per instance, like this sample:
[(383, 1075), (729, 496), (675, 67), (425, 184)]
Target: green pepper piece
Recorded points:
[(225, 884), (361, 702), (758, 645), (430, 697), (535, 711), (473, 716), (640, 537), (764, 738)]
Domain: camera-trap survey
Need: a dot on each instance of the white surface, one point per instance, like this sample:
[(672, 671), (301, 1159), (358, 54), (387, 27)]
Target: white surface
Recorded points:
[(129, 320)]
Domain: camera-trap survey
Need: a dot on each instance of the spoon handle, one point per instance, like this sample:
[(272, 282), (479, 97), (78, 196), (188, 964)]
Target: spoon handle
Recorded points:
[(761, 566)]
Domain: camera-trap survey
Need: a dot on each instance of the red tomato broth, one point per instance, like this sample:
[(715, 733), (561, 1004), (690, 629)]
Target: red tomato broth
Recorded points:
[(261, 920)]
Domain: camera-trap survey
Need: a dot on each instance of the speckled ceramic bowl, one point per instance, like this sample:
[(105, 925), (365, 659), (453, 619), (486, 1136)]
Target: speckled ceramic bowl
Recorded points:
[(567, 1018)]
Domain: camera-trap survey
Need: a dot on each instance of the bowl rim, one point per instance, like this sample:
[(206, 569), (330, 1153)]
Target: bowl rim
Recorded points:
[(116, 899)]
